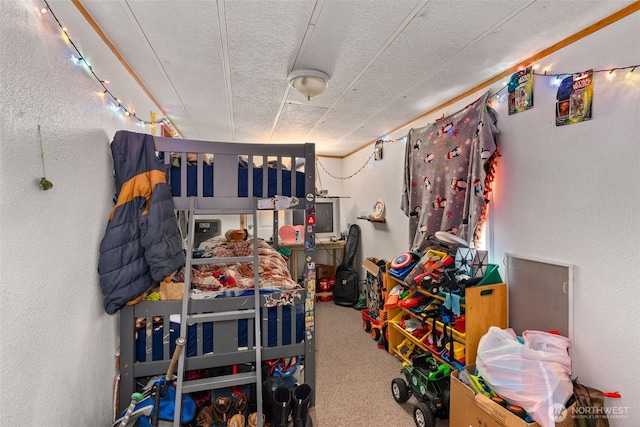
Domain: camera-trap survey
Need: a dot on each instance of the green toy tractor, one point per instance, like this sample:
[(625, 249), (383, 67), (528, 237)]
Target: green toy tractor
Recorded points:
[(428, 381)]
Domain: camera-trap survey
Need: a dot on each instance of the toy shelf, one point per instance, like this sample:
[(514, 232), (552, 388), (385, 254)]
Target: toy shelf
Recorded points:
[(437, 296), (396, 348), (484, 306), (440, 327), (398, 343), (461, 337)]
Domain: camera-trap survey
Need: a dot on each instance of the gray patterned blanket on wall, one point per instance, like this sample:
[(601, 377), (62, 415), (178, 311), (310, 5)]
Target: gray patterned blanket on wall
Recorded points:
[(448, 172)]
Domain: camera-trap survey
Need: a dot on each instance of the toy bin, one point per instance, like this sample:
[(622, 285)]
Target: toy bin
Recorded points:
[(374, 282), (491, 276), (470, 408)]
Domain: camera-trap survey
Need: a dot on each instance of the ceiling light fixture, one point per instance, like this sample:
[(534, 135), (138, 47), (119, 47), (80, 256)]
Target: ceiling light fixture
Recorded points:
[(310, 83)]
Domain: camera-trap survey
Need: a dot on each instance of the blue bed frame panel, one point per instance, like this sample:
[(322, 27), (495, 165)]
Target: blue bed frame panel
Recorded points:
[(227, 175), (225, 337), (243, 181)]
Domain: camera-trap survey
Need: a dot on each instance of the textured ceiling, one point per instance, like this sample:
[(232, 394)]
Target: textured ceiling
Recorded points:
[(218, 69)]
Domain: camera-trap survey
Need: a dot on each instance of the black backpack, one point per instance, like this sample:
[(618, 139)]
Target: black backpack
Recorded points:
[(347, 289)]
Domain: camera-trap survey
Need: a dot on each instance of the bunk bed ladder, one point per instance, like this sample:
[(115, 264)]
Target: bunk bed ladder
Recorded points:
[(186, 319)]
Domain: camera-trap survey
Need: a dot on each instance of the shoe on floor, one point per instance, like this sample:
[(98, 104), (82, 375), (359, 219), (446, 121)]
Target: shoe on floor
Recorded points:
[(236, 421)]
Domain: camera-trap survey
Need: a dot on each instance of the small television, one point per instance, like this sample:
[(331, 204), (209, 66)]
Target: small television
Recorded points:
[(327, 218)]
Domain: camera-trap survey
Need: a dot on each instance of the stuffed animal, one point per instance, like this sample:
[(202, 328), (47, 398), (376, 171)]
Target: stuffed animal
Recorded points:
[(236, 235)]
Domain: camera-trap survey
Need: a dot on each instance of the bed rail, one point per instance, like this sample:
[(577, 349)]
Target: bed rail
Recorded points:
[(267, 162), (219, 345), (269, 169)]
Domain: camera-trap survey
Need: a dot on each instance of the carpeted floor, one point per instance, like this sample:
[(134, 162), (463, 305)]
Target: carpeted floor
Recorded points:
[(354, 376)]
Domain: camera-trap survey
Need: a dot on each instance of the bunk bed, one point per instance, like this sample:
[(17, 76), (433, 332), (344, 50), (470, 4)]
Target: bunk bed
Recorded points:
[(223, 178)]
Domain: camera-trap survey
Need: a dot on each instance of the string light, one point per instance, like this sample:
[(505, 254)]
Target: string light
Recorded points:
[(165, 121), (609, 70), (556, 78), (401, 139), (79, 59), (319, 163), (630, 73), (344, 178)]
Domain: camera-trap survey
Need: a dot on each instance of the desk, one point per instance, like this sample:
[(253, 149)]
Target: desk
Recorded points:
[(320, 246)]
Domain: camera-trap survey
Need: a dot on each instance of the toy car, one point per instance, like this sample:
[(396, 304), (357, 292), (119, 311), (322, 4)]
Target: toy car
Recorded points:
[(376, 325), (428, 381)]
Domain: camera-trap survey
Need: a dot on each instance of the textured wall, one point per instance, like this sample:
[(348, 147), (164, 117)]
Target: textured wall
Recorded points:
[(569, 194), (382, 180), (572, 194), (57, 359)]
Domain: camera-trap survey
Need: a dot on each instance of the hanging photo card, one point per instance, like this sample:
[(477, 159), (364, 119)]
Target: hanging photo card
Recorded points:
[(521, 91), (378, 150), (574, 99)]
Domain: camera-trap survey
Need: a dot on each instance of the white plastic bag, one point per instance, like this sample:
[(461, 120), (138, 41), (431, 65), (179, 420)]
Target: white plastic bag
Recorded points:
[(535, 375)]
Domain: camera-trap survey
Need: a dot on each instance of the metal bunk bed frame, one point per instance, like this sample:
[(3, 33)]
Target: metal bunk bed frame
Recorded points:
[(226, 201)]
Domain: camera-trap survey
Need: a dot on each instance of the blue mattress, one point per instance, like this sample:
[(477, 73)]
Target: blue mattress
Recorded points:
[(208, 331), (243, 173)]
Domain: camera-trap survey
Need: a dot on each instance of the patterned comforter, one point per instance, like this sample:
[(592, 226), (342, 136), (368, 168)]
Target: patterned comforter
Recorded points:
[(272, 268)]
